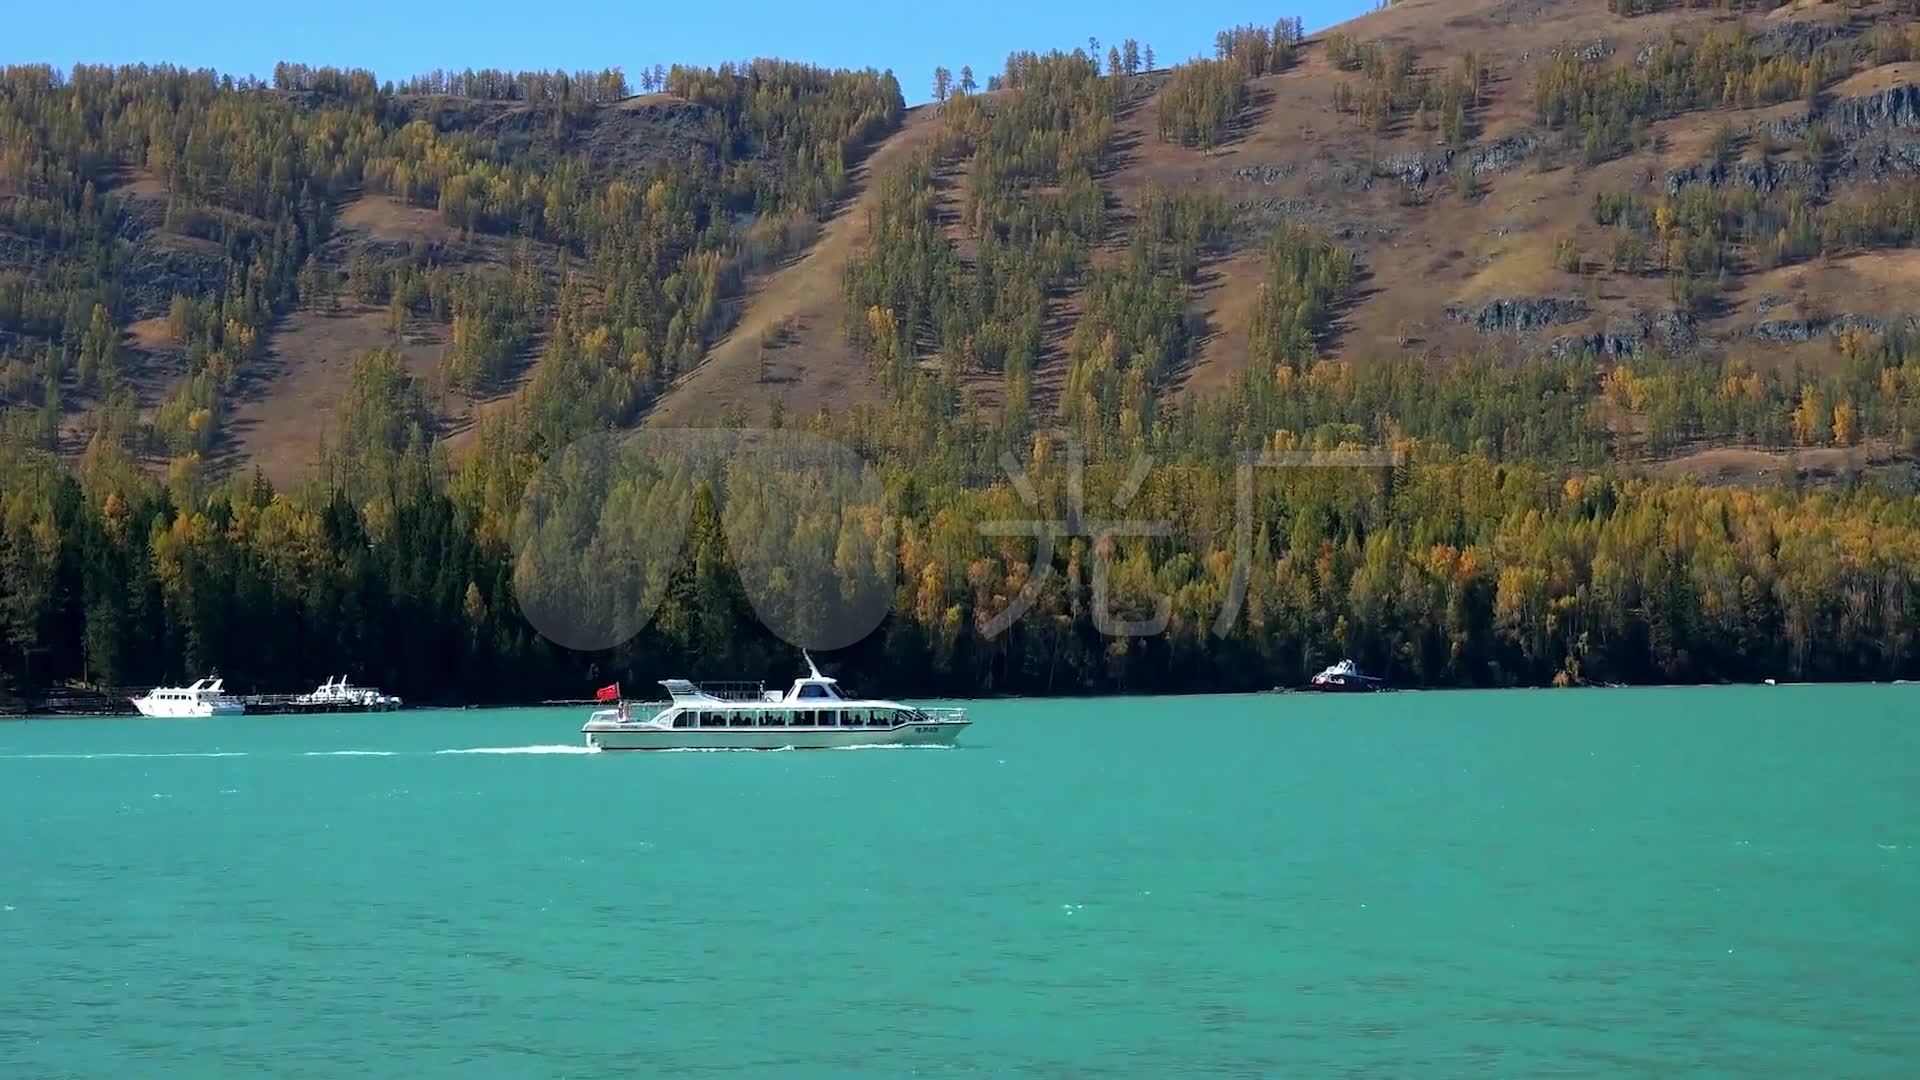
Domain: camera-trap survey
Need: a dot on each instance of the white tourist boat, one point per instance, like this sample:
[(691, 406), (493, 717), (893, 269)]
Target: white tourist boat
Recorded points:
[(1345, 677), (341, 694), (812, 715), (206, 697)]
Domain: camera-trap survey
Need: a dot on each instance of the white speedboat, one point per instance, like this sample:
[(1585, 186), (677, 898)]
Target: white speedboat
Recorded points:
[(341, 694), (206, 697), (811, 715)]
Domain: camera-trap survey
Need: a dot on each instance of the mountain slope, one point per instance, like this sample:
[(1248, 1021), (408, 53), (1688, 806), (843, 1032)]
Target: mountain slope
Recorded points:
[(1689, 181), (789, 344)]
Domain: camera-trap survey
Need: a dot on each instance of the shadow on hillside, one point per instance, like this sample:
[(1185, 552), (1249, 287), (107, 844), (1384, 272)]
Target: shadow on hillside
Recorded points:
[(1259, 104)]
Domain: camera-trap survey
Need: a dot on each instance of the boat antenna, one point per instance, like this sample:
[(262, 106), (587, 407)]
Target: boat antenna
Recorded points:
[(812, 672)]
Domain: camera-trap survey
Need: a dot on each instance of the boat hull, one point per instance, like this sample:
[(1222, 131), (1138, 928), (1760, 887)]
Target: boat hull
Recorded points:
[(1331, 686), (187, 710), (638, 737)]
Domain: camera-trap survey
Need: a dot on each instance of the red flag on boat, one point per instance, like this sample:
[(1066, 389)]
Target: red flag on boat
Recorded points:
[(607, 693)]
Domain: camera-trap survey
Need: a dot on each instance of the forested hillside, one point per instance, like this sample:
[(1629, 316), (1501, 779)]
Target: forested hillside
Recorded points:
[(278, 363)]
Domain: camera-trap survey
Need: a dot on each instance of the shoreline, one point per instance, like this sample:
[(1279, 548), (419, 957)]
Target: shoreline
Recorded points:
[(23, 716)]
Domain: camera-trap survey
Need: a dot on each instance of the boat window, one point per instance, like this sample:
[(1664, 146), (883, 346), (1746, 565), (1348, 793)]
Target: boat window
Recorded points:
[(773, 719), (813, 692), (740, 718), (686, 720), (879, 718)]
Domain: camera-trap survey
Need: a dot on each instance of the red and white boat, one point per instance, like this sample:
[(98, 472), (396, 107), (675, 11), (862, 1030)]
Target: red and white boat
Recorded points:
[(813, 714)]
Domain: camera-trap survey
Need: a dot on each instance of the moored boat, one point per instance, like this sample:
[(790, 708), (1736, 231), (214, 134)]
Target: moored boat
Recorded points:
[(812, 714), (341, 695), (206, 697), (1345, 677)]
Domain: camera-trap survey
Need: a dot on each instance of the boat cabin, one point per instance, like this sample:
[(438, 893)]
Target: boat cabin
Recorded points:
[(812, 702), (199, 690)]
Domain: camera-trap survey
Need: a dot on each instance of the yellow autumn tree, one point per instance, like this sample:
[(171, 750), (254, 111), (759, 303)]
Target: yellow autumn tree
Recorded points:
[(1845, 419), (1809, 417)]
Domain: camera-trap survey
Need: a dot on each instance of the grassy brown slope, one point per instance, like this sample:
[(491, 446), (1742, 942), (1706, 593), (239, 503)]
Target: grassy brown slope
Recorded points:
[(795, 317), (1424, 247), (287, 408), (288, 405)]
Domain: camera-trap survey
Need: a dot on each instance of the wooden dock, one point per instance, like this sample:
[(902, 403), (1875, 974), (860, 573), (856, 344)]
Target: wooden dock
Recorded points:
[(290, 704)]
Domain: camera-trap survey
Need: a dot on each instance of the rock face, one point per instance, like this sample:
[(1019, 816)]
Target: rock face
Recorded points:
[(1627, 336), (1590, 53), (1799, 40), (1761, 176), (1785, 330), (1265, 174), (1415, 169), (1896, 108), (155, 272), (1801, 330), (1519, 314), (629, 136), (1319, 176), (1877, 137)]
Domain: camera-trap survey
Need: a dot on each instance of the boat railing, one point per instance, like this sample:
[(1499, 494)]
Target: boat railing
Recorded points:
[(733, 691), (946, 714)]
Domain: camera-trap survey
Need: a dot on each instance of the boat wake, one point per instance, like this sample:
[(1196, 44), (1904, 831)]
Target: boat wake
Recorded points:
[(554, 748), (348, 753), (90, 757), (897, 746)]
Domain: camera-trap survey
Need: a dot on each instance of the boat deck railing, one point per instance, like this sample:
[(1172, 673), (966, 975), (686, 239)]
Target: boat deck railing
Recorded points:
[(946, 714), (733, 691)]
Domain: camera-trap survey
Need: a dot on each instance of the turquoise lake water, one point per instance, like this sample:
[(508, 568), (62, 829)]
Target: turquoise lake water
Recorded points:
[(1549, 883)]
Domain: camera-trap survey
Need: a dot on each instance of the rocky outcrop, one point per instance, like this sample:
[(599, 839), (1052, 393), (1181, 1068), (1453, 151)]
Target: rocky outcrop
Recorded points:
[(1318, 176), (1877, 137), (138, 216), (1627, 336), (1799, 40), (1802, 330), (1290, 209), (1882, 158), (1896, 108), (1761, 176), (1316, 215), (1416, 168), (155, 272), (1591, 52), (629, 137), (1265, 174), (1519, 314), (1786, 330)]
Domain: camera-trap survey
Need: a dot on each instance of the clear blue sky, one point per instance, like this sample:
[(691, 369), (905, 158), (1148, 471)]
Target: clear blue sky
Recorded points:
[(404, 37)]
